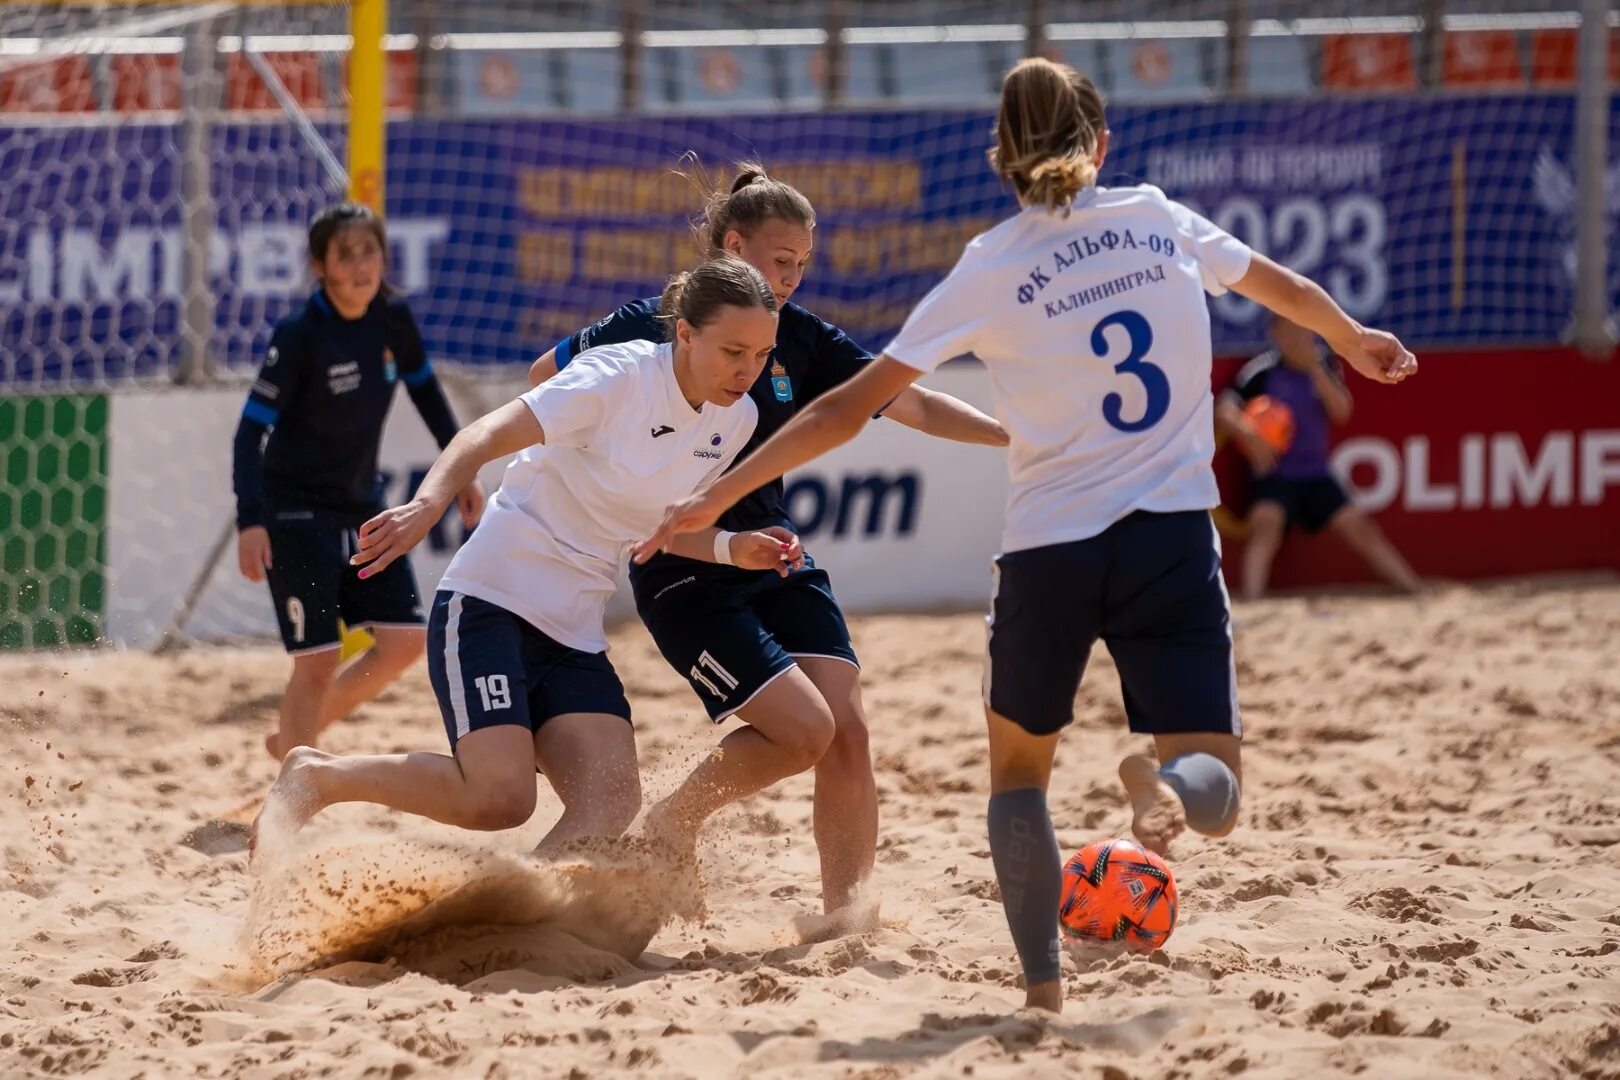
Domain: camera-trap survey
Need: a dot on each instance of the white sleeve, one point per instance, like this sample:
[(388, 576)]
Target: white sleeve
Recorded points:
[(1222, 258), (946, 324), (572, 404)]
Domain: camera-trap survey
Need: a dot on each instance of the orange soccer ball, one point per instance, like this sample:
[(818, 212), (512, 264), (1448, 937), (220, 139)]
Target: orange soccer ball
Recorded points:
[(1117, 890), (1274, 420)]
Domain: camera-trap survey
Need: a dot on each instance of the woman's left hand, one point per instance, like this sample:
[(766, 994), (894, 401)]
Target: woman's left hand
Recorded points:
[(392, 534), (774, 548)]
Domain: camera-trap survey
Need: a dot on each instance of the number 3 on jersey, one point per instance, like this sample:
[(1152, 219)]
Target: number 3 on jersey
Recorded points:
[(1153, 380)]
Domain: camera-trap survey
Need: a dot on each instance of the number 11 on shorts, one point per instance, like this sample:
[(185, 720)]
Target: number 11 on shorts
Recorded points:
[(726, 678), (495, 692)]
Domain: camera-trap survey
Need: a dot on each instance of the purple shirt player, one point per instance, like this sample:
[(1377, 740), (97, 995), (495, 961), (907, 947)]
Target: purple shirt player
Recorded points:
[(1297, 486), (1307, 456)]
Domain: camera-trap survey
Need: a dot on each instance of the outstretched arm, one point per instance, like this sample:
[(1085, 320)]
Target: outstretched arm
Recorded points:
[(427, 394), (1376, 354), (831, 420), (944, 417), (396, 531)]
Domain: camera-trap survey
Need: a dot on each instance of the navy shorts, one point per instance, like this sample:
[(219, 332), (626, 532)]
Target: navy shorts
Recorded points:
[(732, 632), (1310, 502), (489, 667), (314, 586), (1150, 587)]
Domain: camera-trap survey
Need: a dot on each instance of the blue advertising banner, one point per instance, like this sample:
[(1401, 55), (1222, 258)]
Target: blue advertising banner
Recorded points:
[(1449, 220)]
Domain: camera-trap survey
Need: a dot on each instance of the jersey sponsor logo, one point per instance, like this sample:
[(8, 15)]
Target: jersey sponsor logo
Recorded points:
[(781, 382), (272, 356), (266, 389), (661, 429), (390, 368), (856, 504), (1087, 246), (343, 378), (714, 453)]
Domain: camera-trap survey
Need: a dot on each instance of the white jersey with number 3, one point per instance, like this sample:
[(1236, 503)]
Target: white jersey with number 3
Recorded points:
[(1095, 333)]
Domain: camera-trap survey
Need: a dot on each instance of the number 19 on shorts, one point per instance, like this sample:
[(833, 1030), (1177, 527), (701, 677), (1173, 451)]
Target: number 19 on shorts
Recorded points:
[(494, 691)]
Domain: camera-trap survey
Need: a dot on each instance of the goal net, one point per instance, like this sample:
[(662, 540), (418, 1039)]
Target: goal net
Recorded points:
[(161, 164)]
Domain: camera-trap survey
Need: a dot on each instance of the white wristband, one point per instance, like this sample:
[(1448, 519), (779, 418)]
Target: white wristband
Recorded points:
[(722, 548)]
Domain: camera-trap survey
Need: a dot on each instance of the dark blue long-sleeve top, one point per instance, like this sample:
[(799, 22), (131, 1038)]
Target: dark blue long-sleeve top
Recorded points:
[(323, 395)]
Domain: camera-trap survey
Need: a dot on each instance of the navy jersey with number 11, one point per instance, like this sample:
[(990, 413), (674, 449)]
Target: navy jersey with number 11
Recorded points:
[(1094, 330)]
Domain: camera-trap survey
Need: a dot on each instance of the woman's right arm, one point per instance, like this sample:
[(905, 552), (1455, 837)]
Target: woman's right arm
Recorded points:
[(395, 531), (1376, 354)]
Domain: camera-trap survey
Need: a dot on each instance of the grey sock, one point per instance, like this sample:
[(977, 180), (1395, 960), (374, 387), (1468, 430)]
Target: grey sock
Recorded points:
[(1208, 789), (1030, 872)]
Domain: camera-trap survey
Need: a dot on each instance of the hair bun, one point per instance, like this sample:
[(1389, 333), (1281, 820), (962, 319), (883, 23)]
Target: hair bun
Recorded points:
[(749, 175)]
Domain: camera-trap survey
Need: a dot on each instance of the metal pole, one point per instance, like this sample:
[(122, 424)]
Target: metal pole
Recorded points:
[(630, 20), (1035, 28), (431, 64), (1431, 45), (201, 104), (837, 56), (1594, 330), (337, 178), (1237, 46)]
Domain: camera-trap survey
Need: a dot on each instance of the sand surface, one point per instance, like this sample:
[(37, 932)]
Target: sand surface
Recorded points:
[(1426, 882)]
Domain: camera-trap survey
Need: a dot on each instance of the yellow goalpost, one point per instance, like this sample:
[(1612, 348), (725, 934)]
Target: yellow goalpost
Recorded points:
[(368, 22)]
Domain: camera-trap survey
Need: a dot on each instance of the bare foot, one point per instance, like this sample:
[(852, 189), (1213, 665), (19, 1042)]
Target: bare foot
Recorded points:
[(1047, 996), (1159, 816), (293, 799), (859, 916), (665, 830)]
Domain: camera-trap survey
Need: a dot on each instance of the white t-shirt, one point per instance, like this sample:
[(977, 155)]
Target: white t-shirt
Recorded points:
[(1095, 333), (621, 445)]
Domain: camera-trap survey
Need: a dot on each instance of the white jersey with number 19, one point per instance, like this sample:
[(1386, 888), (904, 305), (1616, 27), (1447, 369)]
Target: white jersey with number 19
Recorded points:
[(1095, 333)]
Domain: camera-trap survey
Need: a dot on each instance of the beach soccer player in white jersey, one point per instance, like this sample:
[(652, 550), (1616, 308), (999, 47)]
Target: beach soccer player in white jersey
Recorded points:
[(1087, 309), (774, 651), (516, 646)]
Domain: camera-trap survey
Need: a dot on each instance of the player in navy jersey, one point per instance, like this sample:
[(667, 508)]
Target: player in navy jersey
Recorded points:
[(517, 650), (774, 651), (1087, 309), (323, 395)]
